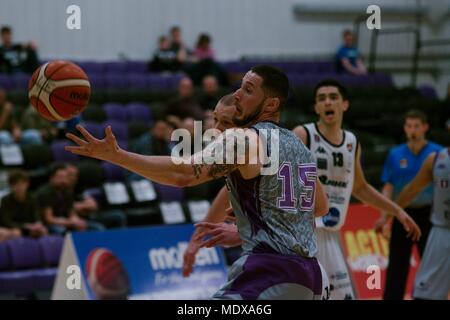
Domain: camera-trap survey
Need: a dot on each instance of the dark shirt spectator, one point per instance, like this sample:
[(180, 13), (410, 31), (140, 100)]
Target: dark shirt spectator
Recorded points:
[(185, 105), (18, 209), (16, 57), (210, 93), (164, 58), (55, 202), (348, 58), (178, 46)]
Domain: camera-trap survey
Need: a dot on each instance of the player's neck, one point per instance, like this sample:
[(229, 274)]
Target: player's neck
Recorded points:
[(333, 132), (275, 117), (417, 146)]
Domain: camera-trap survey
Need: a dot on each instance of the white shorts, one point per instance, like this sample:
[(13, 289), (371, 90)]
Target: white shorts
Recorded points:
[(331, 257), (432, 279)]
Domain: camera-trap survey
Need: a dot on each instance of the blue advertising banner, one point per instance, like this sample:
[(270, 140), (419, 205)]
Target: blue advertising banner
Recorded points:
[(146, 263)]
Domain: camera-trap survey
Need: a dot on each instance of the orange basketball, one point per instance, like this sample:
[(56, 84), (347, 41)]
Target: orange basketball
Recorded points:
[(59, 90)]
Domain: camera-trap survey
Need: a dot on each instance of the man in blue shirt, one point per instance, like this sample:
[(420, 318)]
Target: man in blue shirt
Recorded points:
[(348, 58), (401, 166)]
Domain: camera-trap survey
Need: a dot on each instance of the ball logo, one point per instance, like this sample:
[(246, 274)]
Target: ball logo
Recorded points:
[(331, 218), (79, 96), (107, 277)]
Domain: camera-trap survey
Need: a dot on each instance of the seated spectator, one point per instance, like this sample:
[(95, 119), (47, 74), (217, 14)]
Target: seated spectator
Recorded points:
[(88, 207), (178, 46), (203, 50), (348, 57), (210, 93), (10, 130), (36, 129), (18, 210), (164, 58), (16, 57), (205, 64), (55, 203), (185, 105)]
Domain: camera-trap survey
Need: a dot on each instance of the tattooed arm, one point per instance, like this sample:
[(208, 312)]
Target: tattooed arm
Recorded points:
[(180, 172)]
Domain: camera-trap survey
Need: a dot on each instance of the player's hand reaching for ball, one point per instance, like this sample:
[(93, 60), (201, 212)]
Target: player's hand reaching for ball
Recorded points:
[(104, 149), (409, 225)]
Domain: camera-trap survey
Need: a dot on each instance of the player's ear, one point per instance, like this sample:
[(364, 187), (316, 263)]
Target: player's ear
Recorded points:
[(316, 110), (273, 104), (345, 105)]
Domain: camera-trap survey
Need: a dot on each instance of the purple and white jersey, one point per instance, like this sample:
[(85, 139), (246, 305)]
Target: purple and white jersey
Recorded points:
[(275, 213)]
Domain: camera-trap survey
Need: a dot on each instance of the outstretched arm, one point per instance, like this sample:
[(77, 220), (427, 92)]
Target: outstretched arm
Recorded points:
[(369, 195), (421, 180), (174, 171)]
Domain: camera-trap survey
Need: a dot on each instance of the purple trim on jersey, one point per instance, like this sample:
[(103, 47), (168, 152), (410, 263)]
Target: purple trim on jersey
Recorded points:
[(264, 270), (248, 196)]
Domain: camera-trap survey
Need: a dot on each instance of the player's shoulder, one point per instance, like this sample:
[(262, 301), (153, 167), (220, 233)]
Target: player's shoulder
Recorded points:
[(435, 147), (399, 149)]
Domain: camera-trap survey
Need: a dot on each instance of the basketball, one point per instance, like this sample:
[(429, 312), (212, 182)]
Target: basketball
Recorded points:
[(59, 90), (106, 275)]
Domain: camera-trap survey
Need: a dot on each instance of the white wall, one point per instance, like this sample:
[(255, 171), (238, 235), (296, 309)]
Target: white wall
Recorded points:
[(131, 27)]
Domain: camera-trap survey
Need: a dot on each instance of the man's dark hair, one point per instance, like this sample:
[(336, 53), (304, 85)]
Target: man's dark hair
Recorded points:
[(416, 114), (347, 32), (332, 83), (55, 168), (228, 100), (275, 82), (16, 176), (175, 28), (5, 29)]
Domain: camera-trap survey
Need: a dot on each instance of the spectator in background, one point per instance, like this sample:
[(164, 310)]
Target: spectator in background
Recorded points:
[(11, 131), (55, 203), (348, 58), (184, 105), (18, 210), (36, 129), (89, 208), (210, 93), (401, 166), (164, 58), (203, 49), (178, 46), (16, 57), (205, 64)]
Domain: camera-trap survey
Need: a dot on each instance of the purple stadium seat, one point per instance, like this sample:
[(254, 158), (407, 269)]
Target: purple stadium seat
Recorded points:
[(17, 282), (136, 66), (25, 253), (120, 129), (113, 173), (116, 81), (61, 155), (116, 111), (139, 112), (169, 193), (5, 260), (96, 129), (20, 81), (115, 67), (44, 279), (6, 82), (382, 80), (427, 92), (97, 81), (51, 247), (138, 80), (91, 67)]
